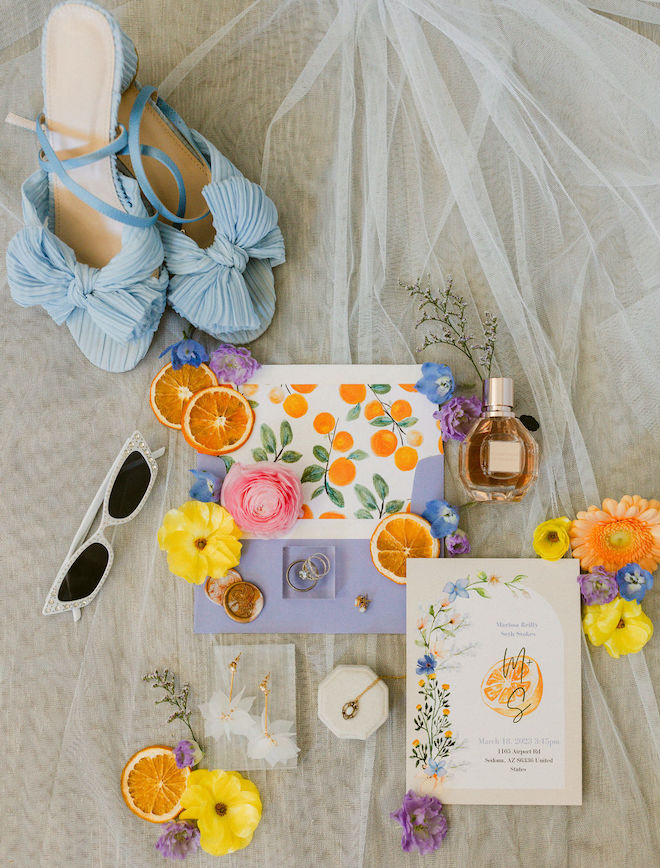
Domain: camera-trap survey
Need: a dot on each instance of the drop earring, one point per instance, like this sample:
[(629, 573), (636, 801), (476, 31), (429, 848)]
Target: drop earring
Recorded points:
[(273, 742), (225, 714)]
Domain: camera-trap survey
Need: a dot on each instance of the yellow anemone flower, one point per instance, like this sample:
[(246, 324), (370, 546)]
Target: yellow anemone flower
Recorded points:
[(551, 540), (201, 539), (620, 625), (226, 806)]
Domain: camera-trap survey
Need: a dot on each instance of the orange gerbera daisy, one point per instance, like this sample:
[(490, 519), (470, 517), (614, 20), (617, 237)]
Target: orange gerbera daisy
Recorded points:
[(618, 534)]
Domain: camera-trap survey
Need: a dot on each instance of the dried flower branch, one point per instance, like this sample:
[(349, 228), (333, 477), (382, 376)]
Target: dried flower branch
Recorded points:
[(448, 309), (166, 680)]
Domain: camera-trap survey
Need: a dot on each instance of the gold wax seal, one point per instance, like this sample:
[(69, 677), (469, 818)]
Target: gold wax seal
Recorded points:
[(243, 602)]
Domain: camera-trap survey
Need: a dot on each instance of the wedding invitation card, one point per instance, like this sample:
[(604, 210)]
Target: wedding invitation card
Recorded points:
[(493, 710)]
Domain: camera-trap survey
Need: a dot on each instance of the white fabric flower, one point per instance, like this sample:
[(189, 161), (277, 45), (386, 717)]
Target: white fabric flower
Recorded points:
[(225, 717), (276, 747)]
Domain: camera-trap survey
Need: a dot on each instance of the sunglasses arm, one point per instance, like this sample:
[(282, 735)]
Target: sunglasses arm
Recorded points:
[(86, 523)]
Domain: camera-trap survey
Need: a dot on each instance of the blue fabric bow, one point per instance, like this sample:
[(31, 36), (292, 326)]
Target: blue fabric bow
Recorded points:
[(208, 286), (123, 298)]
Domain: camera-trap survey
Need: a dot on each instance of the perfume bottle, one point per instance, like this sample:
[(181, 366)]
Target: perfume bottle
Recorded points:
[(498, 459)]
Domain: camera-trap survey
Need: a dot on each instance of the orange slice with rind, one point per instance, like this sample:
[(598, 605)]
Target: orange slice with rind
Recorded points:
[(152, 784), (171, 390), (217, 420), (400, 536)]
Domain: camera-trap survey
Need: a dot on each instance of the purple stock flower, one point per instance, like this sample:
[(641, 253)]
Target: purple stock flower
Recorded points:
[(457, 543), (186, 352), (423, 823), (187, 754), (457, 416), (233, 364), (598, 587), (178, 841)]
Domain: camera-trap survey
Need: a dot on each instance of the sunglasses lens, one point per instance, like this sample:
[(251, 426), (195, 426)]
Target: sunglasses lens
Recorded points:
[(84, 573), (130, 486)]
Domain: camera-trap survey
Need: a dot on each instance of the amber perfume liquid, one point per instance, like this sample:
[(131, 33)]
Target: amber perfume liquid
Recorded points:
[(498, 460)]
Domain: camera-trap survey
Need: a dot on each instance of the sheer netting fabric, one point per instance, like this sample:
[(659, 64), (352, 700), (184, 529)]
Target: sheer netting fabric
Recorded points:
[(513, 145)]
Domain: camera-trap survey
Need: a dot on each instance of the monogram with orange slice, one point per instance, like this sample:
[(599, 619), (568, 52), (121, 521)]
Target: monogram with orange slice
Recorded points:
[(513, 686)]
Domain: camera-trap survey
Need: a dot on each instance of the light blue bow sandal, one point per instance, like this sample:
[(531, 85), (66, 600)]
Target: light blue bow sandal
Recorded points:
[(89, 253), (219, 230)]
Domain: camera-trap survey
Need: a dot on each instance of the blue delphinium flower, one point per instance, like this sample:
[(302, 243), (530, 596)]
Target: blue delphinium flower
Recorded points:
[(436, 767), (437, 382), (442, 517), (186, 352), (634, 582), (456, 589), (206, 487), (426, 664)]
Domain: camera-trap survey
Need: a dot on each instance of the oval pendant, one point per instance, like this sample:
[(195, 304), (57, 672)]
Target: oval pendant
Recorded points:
[(350, 709)]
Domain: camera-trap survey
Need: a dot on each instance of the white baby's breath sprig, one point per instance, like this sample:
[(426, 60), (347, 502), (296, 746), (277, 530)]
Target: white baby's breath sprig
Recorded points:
[(448, 310)]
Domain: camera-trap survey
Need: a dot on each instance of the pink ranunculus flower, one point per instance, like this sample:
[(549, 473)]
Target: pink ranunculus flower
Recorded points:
[(264, 499)]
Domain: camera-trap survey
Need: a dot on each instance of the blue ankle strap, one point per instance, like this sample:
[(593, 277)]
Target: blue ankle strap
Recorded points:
[(137, 151), (50, 162)]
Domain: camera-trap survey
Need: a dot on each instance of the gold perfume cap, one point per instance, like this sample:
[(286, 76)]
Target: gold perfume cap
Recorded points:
[(498, 392)]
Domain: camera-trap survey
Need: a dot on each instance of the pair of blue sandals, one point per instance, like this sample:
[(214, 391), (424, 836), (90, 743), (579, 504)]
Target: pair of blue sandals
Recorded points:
[(131, 208)]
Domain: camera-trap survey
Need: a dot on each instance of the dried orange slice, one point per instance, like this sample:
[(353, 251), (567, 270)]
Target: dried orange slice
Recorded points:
[(170, 390), (520, 690), (217, 420), (152, 785), (397, 537)]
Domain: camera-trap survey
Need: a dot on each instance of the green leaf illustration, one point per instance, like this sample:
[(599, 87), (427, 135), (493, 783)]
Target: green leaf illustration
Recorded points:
[(320, 453), (353, 413), (268, 439), (259, 455), (312, 473), (358, 455), (380, 388), (382, 488), (481, 575), (365, 497), (253, 404), (318, 491), (227, 461), (286, 434), (393, 506), (363, 513), (381, 421), (291, 457), (335, 496), (407, 423), (481, 592)]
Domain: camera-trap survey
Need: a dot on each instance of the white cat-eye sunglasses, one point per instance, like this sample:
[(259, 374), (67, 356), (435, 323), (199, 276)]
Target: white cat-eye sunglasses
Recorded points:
[(123, 493)]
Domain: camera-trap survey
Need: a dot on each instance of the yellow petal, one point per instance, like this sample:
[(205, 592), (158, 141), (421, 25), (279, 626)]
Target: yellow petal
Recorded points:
[(215, 835), (188, 564), (226, 787), (243, 819)]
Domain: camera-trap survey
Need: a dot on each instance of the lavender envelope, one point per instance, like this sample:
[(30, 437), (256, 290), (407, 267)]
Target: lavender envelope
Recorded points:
[(262, 562)]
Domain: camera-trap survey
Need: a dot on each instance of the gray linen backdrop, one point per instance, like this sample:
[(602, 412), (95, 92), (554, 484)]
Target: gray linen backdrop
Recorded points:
[(511, 143)]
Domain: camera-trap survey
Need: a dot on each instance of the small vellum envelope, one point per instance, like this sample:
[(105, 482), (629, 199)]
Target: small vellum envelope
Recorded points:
[(255, 663)]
